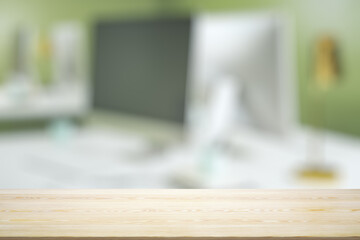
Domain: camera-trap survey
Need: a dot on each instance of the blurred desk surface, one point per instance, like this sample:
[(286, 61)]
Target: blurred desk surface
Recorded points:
[(70, 100), (99, 158), (179, 214)]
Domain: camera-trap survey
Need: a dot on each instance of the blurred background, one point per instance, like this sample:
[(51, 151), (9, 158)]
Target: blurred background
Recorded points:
[(179, 94)]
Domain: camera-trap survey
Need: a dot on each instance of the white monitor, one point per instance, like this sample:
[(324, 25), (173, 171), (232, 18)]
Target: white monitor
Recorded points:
[(254, 50)]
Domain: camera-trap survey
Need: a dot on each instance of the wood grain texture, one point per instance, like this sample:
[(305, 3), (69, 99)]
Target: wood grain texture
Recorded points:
[(179, 214)]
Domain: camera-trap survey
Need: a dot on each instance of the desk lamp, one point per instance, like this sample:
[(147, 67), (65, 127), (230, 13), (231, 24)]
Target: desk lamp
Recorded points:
[(326, 75)]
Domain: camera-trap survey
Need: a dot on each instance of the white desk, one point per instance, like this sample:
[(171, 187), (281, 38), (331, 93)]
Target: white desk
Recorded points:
[(70, 100), (96, 158)]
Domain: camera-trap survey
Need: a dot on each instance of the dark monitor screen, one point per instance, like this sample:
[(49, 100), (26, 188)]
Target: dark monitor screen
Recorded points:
[(141, 67)]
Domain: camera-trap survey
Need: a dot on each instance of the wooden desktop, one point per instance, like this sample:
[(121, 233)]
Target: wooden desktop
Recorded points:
[(179, 214)]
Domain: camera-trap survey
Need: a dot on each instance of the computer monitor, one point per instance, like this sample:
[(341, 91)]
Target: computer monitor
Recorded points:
[(254, 49), (140, 74)]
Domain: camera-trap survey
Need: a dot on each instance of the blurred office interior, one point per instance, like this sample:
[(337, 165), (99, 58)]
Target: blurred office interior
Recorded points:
[(179, 94)]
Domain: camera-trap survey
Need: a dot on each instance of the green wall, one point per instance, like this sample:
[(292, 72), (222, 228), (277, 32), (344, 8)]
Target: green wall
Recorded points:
[(312, 18), (340, 18)]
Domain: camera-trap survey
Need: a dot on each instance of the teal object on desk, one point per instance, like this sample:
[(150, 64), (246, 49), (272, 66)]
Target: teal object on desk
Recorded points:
[(62, 130)]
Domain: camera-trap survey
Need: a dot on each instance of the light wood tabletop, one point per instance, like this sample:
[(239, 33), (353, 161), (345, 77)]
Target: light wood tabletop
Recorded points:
[(179, 214)]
